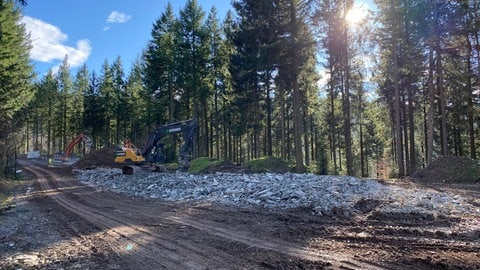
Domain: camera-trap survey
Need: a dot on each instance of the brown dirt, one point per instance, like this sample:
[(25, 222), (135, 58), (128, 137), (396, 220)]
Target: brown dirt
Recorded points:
[(103, 157), (78, 227), (229, 167)]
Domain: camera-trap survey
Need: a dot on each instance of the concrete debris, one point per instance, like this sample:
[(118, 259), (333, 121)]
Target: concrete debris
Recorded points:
[(324, 195)]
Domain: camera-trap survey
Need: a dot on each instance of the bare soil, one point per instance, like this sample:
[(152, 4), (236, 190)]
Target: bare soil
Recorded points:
[(59, 223)]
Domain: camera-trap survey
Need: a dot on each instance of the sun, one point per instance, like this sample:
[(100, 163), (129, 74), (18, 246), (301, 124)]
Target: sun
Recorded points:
[(356, 14)]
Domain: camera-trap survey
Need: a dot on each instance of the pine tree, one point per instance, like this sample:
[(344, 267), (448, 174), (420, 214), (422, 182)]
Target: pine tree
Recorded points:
[(94, 111), (44, 109), (214, 78), (16, 71), (136, 93), (108, 101), (16, 74), (65, 88), (227, 50), (81, 85), (193, 61), (160, 71), (121, 109)]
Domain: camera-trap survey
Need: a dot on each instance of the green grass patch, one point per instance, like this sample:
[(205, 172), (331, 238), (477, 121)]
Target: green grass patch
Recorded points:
[(171, 166), (6, 190), (451, 169), (201, 164), (268, 164), (470, 173)]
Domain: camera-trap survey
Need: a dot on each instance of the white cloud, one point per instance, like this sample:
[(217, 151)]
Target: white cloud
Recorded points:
[(48, 44), (324, 78), (118, 17)]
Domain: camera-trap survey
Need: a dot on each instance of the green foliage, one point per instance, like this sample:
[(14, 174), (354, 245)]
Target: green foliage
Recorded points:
[(16, 74), (251, 82), (6, 190), (200, 164), (268, 164), (160, 69), (171, 166)]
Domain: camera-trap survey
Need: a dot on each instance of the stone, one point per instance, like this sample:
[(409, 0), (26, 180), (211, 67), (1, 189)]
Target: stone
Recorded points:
[(322, 193)]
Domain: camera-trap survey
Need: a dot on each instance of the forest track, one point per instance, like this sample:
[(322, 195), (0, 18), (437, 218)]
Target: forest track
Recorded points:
[(149, 248), (138, 233)]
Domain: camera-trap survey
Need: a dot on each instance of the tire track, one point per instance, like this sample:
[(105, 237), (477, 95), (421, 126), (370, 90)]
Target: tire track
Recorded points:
[(337, 260), (146, 249)]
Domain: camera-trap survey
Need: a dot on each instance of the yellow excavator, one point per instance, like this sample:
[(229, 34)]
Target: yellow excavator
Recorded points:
[(128, 153), (154, 149)]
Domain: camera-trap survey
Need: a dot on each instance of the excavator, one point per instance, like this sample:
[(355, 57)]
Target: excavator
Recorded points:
[(66, 155), (154, 150)]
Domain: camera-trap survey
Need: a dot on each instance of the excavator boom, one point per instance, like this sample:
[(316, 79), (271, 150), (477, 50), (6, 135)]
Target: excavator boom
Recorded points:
[(79, 138), (188, 127), (150, 150), (65, 156)]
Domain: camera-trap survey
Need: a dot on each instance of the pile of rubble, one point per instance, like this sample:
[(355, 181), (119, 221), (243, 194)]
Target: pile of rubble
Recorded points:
[(324, 195)]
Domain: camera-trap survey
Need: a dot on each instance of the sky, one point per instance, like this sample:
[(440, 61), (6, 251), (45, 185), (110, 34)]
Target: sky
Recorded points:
[(91, 31)]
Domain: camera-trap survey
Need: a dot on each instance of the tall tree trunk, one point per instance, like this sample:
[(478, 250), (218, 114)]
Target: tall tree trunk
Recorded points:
[(431, 108), (283, 122), (398, 126), (297, 96), (346, 100), (405, 132), (333, 144), (442, 103), (440, 88), (363, 157), (306, 139), (362, 153), (470, 109), (313, 129), (411, 121), (268, 128), (297, 126)]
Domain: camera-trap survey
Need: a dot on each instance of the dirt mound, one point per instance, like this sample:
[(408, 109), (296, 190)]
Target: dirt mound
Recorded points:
[(450, 170), (99, 158)]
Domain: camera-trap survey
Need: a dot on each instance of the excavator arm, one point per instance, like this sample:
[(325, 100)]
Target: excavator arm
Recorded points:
[(187, 128), (79, 138)]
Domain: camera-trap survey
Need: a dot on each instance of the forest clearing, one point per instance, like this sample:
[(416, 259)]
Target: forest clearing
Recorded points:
[(324, 134), (98, 218)]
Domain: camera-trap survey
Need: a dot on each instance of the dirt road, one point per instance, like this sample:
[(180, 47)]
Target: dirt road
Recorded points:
[(72, 226)]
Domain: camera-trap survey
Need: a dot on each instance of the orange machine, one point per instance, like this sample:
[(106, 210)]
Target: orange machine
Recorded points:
[(80, 138)]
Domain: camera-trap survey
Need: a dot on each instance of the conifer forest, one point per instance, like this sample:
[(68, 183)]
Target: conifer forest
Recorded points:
[(384, 95)]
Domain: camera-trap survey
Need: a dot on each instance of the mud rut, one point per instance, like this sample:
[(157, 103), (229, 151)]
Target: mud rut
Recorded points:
[(148, 234)]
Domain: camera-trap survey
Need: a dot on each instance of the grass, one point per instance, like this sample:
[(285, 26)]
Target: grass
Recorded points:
[(268, 164), (171, 166), (6, 189), (201, 164), (470, 173)]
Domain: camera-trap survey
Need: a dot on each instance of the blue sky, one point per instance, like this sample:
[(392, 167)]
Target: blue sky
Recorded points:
[(94, 31)]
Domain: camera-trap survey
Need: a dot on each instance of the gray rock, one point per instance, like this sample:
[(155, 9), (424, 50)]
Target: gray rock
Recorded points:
[(322, 193)]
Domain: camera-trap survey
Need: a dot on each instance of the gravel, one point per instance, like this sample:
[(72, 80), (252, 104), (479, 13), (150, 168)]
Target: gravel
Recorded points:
[(324, 195)]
